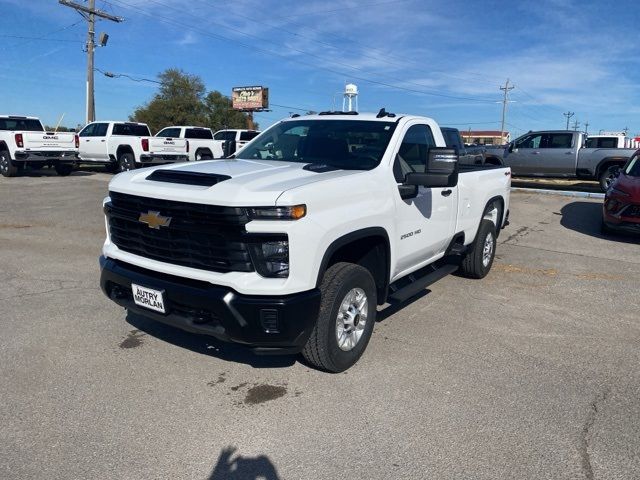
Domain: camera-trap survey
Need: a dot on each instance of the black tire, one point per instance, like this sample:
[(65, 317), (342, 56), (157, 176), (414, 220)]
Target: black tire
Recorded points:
[(322, 349), (200, 156), (604, 229), (113, 167), (64, 169), (126, 162), (7, 167), (474, 264), (608, 176)]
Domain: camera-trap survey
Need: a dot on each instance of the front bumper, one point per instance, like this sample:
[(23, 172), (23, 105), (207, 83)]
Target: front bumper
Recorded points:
[(268, 324), (43, 156), (159, 158)]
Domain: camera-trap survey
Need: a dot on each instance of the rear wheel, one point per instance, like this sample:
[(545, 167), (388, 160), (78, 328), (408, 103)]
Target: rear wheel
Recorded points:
[(64, 169), (203, 155), (7, 167), (608, 176), (346, 319), (478, 261), (126, 162)]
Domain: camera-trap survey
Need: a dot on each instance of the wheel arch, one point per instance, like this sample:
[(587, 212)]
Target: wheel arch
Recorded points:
[(203, 150), (368, 247), (487, 215), (122, 149), (4, 146), (609, 161)]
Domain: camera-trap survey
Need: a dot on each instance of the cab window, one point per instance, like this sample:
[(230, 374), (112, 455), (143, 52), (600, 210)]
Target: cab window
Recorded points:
[(88, 130), (169, 133), (530, 141)]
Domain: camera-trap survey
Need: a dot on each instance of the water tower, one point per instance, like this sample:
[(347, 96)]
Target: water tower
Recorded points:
[(350, 98)]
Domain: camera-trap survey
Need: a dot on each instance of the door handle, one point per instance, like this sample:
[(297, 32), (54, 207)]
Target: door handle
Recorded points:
[(535, 153), (86, 140), (446, 193), (102, 141), (568, 153)]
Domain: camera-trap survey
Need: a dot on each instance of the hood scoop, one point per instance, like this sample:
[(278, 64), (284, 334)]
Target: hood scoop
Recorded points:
[(319, 167), (187, 178)]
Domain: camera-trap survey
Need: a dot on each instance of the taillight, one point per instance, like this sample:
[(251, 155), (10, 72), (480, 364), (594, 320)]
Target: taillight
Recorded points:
[(19, 140), (187, 146), (145, 144), (77, 138)]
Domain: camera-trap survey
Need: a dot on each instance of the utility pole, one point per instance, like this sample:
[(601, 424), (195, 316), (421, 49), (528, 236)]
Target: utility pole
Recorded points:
[(625, 130), (586, 126), (576, 125), (505, 101), (568, 115), (90, 13)]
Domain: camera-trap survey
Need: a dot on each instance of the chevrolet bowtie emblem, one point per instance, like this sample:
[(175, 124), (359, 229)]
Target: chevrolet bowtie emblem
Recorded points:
[(154, 219)]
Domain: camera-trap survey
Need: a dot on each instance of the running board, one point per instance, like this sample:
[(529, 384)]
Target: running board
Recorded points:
[(412, 284)]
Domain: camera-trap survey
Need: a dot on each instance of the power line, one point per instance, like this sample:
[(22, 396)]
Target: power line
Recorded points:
[(41, 38), (302, 62), (359, 6), (46, 35)]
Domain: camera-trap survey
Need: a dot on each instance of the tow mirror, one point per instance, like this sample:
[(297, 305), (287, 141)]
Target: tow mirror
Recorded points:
[(442, 161), (408, 191), (510, 148)]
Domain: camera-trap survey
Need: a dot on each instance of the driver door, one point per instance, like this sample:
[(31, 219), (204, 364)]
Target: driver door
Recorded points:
[(524, 157), (424, 224)]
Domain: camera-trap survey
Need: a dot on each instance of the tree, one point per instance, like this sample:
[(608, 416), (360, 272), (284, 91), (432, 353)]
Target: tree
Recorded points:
[(221, 115), (178, 102), (182, 100)]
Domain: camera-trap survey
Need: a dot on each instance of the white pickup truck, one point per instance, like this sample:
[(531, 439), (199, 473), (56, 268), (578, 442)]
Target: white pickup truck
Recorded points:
[(23, 142), (293, 244), (202, 146), (125, 146), (230, 141)]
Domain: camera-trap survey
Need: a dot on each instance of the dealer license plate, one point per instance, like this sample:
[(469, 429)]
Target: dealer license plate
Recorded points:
[(148, 298)]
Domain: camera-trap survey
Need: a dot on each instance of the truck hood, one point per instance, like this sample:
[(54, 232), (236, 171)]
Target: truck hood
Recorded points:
[(252, 182)]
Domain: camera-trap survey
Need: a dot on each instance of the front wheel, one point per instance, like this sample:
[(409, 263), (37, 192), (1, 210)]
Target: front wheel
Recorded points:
[(126, 162), (346, 319), (478, 261), (608, 176), (7, 167)]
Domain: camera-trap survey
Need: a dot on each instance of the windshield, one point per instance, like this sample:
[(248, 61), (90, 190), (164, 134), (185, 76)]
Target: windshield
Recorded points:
[(347, 144), (21, 124), (633, 167)]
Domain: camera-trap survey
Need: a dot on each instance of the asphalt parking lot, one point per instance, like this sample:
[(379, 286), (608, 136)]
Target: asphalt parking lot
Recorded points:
[(529, 373)]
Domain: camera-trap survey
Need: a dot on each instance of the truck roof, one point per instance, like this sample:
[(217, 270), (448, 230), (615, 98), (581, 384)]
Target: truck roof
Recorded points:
[(187, 126), (552, 131), (117, 121), (19, 117), (368, 116)]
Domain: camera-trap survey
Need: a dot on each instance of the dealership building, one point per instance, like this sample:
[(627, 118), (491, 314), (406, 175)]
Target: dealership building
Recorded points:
[(485, 137)]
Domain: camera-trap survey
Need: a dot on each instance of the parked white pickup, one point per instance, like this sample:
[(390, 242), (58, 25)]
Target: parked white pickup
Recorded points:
[(128, 145), (23, 142), (202, 146), (229, 142)]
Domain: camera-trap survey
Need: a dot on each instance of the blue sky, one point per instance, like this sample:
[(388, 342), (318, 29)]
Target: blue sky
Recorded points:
[(442, 58)]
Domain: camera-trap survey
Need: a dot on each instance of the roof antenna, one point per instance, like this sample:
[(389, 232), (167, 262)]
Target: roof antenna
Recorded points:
[(382, 113)]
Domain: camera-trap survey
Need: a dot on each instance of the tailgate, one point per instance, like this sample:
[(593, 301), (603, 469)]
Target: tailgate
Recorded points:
[(167, 145), (49, 141)]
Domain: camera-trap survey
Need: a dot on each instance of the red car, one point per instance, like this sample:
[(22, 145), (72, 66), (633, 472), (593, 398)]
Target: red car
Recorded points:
[(621, 209)]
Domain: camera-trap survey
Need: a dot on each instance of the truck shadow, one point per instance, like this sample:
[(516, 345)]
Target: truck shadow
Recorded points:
[(209, 346), (586, 218), (239, 467), (393, 308)]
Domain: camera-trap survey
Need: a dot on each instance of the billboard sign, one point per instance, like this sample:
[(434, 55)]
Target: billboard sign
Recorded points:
[(250, 98)]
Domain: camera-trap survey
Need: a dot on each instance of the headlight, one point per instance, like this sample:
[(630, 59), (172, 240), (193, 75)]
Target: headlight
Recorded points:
[(271, 258), (277, 213)]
